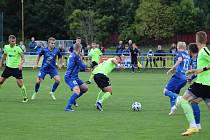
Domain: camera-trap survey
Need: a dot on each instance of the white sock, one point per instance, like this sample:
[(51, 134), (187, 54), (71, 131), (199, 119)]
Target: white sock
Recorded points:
[(193, 125), (198, 126)]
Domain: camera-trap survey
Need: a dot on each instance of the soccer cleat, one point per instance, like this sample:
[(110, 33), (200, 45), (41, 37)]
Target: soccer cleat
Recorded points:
[(25, 100), (199, 126), (99, 106), (33, 97), (76, 105), (190, 131), (88, 82), (52, 95), (173, 109), (69, 110)]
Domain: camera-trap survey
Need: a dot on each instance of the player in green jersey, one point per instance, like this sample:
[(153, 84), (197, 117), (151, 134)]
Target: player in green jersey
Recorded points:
[(200, 89), (14, 57), (101, 73), (94, 54)]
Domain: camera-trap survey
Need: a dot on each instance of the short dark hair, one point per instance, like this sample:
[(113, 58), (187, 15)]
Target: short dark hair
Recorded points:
[(201, 37), (193, 47), (78, 37)]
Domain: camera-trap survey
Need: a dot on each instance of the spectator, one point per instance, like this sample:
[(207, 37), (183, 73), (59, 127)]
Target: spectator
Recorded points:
[(126, 50), (150, 56), (22, 46), (119, 48), (160, 56), (134, 53), (173, 50), (130, 44), (103, 49), (32, 45)]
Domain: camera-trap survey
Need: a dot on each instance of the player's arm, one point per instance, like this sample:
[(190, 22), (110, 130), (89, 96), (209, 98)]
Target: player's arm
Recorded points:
[(3, 59), (82, 65), (21, 61), (175, 65), (37, 61)]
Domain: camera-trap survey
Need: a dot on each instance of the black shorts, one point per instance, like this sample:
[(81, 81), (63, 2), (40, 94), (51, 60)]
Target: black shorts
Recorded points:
[(199, 90), (93, 64), (15, 72), (101, 80), (134, 61)]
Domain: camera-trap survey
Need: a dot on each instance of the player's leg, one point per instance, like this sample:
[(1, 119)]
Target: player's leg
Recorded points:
[(2, 80), (39, 79), (184, 102), (19, 78), (196, 111), (103, 83), (55, 85)]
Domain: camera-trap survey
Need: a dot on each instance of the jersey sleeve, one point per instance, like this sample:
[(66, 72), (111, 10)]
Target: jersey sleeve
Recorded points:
[(71, 62), (206, 54), (5, 50), (20, 51), (82, 66)]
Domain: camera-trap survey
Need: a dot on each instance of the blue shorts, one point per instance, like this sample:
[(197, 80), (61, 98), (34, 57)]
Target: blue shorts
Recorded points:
[(175, 84), (52, 72), (73, 82)]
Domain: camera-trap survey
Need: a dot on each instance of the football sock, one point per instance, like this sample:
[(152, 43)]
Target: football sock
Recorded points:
[(188, 112), (72, 100), (23, 91), (196, 112), (81, 93), (172, 96), (105, 96), (55, 85), (99, 95), (91, 77), (37, 85)]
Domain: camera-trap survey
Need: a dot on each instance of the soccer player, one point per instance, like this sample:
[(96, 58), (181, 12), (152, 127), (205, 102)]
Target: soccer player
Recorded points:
[(94, 54), (179, 79), (193, 51), (71, 77), (201, 87), (134, 53), (14, 57), (50, 54), (100, 77)]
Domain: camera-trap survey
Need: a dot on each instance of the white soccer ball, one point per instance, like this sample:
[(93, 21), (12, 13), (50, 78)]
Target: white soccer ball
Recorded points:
[(136, 106)]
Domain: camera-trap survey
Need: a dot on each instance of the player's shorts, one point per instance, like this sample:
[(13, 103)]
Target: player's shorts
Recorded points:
[(94, 64), (198, 90), (101, 80), (52, 72), (175, 84), (134, 61), (73, 82), (15, 72)]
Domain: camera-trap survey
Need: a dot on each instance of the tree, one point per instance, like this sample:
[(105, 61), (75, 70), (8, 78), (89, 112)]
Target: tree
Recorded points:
[(154, 20)]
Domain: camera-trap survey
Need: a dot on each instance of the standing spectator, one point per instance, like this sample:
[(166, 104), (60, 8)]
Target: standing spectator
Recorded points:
[(32, 45), (119, 48), (150, 57), (126, 50), (160, 56), (22, 46), (134, 53), (173, 50), (130, 44)]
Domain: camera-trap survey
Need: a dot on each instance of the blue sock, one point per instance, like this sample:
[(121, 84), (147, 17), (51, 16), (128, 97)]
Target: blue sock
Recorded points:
[(55, 85), (72, 100), (81, 93), (196, 112), (172, 97), (37, 85)]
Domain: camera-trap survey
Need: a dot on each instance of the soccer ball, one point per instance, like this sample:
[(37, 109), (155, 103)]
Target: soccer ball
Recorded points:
[(136, 106)]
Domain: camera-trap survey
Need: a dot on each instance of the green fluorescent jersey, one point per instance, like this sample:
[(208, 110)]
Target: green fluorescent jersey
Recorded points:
[(106, 67), (203, 61), (95, 54), (13, 58)]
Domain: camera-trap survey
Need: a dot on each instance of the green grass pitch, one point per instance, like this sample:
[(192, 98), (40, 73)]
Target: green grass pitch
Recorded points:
[(45, 119)]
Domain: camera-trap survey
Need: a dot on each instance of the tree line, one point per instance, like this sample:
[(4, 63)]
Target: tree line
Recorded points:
[(96, 20)]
